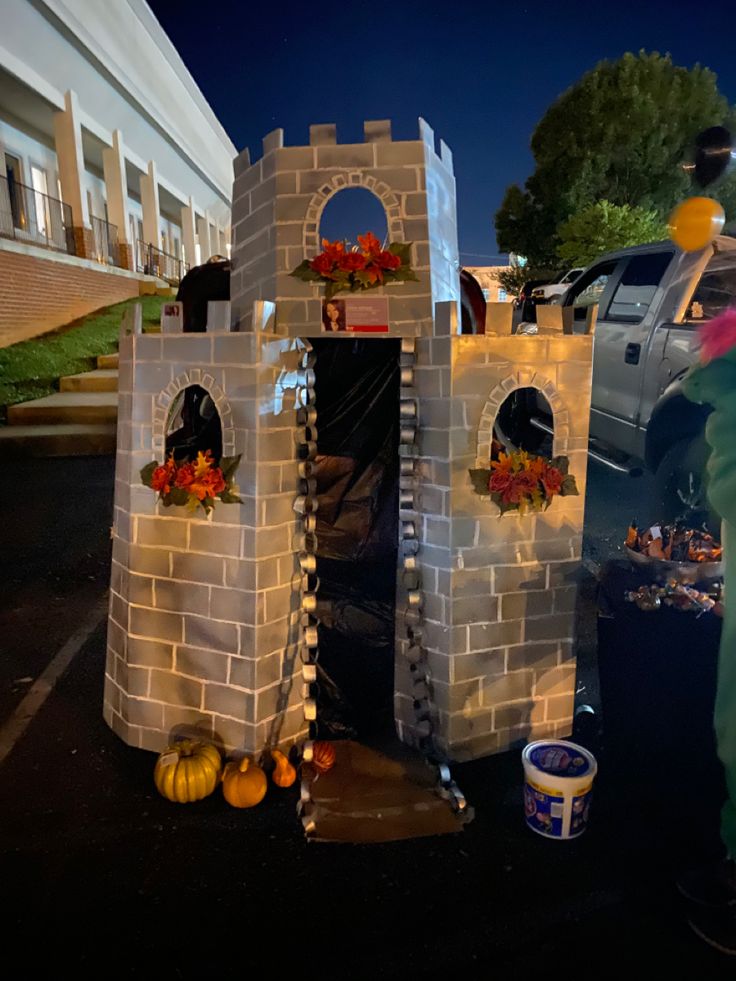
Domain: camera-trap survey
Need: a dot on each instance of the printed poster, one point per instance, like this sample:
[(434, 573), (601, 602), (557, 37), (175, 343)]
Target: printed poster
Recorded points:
[(355, 315)]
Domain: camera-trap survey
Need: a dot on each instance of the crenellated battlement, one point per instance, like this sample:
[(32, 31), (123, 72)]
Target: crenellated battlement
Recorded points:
[(376, 132)]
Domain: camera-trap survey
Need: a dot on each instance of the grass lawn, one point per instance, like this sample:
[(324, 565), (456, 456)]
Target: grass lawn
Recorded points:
[(31, 369)]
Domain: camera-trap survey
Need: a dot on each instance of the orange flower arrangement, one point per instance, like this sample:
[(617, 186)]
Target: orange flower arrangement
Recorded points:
[(193, 483), (520, 481), (360, 267)]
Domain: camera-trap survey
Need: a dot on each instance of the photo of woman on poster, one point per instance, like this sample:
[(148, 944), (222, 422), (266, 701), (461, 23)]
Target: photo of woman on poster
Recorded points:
[(333, 316)]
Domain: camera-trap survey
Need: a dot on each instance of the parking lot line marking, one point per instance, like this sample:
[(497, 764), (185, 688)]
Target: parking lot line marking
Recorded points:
[(24, 713)]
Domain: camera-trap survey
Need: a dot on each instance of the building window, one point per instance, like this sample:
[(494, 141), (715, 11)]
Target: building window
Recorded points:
[(486, 295), (14, 177), (40, 195), (502, 295)]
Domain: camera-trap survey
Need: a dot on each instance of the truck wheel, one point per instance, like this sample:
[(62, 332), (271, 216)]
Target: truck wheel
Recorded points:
[(681, 482)]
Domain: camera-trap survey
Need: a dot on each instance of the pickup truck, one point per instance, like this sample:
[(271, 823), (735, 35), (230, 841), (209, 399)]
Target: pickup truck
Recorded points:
[(650, 299), (545, 292)]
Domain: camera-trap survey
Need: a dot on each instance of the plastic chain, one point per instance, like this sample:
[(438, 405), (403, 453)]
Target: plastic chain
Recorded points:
[(305, 505), (415, 653)]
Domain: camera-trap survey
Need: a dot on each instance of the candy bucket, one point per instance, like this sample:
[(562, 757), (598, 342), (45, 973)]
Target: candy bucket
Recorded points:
[(558, 782)]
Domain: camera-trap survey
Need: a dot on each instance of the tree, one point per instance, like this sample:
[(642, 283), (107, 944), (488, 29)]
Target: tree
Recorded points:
[(605, 227), (620, 134), (524, 227), (512, 278)]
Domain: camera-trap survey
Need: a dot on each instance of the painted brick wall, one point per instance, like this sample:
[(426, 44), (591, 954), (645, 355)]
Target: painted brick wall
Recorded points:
[(499, 590), (37, 295), (278, 203), (203, 613)]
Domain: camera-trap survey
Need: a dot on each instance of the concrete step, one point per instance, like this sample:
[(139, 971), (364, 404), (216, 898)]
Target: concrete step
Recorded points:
[(66, 407), (105, 361), (19, 442), (102, 380)]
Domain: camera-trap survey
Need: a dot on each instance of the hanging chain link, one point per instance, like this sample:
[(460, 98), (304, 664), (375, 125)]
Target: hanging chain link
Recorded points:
[(409, 515), (306, 505)]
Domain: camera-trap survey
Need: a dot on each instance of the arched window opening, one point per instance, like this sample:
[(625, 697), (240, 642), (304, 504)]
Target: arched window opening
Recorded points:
[(193, 425), (524, 422), (350, 212)]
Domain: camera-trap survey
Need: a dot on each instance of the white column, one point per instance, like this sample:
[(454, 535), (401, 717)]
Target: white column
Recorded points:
[(70, 157), (189, 233), (116, 190), (203, 229), (149, 203)]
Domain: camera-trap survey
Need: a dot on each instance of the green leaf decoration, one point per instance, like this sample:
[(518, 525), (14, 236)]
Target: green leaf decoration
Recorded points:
[(229, 464), (305, 272), (538, 500), (480, 480), (569, 486), (339, 283), (147, 473), (503, 506), (561, 463), (408, 275), (208, 503), (402, 250), (178, 496), (227, 497)]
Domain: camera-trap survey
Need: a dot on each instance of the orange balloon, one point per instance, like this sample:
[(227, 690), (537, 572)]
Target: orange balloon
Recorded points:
[(695, 223)]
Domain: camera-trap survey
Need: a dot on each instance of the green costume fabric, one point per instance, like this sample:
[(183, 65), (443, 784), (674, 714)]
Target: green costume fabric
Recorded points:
[(715, 383)]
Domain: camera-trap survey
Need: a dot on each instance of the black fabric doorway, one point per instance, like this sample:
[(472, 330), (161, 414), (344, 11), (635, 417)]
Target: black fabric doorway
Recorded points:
[(357, 471)]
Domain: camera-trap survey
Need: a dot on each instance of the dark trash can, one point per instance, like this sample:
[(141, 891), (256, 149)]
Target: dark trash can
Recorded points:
[(657, 680)]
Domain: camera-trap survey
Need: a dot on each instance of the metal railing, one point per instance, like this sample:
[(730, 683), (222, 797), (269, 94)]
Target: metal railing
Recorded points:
[(27, 215), (154, 262), (107, 248)]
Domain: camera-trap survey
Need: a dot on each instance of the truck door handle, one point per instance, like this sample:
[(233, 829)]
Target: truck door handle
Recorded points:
[(632, 353)]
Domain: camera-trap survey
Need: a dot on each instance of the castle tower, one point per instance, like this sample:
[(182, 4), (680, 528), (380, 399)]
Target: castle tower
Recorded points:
[(278, 201)]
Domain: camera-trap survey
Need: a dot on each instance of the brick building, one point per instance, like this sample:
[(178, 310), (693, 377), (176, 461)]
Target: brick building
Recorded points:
[(108, 153)]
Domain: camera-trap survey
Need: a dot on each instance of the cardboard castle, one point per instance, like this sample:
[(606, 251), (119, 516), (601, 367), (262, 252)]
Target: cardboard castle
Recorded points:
[(206, 622)]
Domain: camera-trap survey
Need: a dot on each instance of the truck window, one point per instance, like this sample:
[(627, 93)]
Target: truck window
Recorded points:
[(716, 290), (638, 284), (589, 288)]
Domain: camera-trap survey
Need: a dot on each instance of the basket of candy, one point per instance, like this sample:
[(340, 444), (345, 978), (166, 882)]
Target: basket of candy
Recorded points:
[(676, 551)]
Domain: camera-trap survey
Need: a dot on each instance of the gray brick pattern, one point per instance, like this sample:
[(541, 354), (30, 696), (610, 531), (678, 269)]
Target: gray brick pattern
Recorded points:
[(278, 202), (500, 625), (201, 632)]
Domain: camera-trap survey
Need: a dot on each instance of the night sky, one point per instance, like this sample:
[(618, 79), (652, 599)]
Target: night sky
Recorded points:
[(480, 73)]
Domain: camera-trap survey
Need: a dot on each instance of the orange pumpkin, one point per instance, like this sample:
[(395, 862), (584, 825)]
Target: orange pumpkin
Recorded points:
[(244, 784), (323, 756), (284, 773)]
